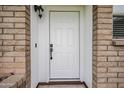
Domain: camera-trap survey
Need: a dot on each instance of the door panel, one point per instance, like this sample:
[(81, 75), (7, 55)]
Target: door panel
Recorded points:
[(64, 35)]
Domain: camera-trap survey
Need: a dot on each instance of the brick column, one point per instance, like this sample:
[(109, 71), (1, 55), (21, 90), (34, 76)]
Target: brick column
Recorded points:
[(94, 67), (108, 60), (15, 40)]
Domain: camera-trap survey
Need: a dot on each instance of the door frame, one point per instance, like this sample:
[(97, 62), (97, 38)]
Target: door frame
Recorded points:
[(73, 79), (43, 38), (60, 8)]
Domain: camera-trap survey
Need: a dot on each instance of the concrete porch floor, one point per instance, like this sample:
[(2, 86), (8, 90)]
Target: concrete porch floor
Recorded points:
[(61, 85)]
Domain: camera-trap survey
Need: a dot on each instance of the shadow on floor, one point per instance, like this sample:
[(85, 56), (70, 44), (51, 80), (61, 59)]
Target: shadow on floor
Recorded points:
[(61, 85)]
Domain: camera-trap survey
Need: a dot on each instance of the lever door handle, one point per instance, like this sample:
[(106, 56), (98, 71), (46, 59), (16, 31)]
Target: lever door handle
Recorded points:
[(35, 45), (51, 51)]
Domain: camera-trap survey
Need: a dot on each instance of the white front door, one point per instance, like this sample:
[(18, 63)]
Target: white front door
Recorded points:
[(64, 36)]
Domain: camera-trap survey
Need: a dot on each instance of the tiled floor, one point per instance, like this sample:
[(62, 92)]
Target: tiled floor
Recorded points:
[(62, 86)]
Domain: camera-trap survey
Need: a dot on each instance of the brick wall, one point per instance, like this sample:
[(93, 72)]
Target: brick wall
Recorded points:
[(94, 72), (28, 61), (108, 60), (15, 40)]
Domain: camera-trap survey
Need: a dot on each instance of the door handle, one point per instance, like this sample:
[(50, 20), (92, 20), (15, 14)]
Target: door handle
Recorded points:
[(51, 51), (35, 45)]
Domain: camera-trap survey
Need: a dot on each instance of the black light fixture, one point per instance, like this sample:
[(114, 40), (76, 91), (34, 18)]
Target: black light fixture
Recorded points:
[(39, 9)]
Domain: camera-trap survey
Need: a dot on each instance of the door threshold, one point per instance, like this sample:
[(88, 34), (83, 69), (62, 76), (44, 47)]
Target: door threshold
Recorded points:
[(65, 82), (64, 79)]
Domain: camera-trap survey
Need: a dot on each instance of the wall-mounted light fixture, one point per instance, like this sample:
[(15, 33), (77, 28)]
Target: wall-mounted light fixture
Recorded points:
[(39, 9)]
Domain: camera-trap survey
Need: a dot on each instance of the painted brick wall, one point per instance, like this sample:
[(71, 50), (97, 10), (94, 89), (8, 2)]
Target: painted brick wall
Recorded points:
[(15, 40), (108, 60)]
